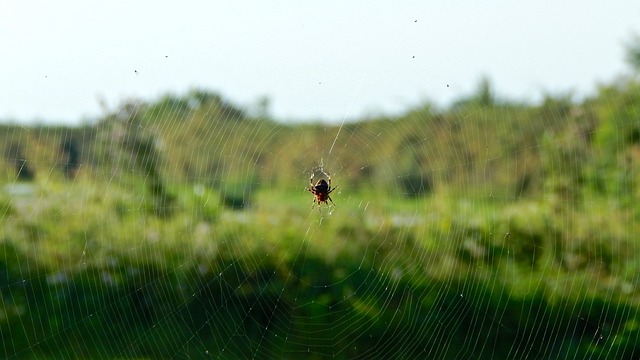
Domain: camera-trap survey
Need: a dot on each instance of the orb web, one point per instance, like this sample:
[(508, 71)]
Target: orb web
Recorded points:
[(182, 226)]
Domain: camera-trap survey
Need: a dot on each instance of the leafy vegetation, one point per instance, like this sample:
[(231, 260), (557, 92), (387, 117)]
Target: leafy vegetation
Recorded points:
[(488, 230)]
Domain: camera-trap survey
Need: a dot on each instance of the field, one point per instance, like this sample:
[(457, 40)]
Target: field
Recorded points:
[(183, 228)]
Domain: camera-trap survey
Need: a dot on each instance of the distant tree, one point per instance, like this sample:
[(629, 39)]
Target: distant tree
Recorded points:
[(633, 53), (14, 155), (483, 96), (169, 107), (71, 153), (416, 180), (214, 103), (261, 107), (145, 157), (126, 142)]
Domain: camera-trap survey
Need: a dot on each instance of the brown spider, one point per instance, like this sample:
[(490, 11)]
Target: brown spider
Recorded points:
[(321, 190)]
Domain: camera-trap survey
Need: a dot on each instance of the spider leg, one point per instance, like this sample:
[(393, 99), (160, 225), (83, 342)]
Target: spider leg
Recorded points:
[(311, 180), (329, 176), (331, 200), (330, 191)]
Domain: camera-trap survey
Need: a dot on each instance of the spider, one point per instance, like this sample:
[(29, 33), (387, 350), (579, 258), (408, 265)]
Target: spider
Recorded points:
[(321, 190)]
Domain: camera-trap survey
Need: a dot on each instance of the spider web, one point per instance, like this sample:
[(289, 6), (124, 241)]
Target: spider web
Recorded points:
[(181, 227)]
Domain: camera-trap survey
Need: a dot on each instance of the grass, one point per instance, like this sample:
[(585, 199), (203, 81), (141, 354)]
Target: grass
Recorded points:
[(90, 261)]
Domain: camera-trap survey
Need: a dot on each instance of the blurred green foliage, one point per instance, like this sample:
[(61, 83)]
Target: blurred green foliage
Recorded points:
[(487, 230)]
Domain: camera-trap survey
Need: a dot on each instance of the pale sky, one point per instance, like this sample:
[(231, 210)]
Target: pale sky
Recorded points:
[(325, 60)]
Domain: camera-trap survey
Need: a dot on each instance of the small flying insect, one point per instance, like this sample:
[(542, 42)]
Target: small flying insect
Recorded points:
[(321, 191)]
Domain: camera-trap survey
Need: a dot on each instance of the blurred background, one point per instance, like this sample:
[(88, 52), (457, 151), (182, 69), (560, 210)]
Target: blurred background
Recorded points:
[(154, 196)]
